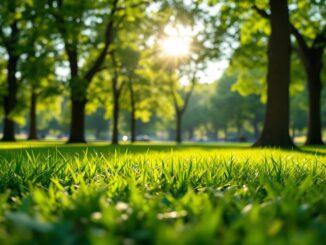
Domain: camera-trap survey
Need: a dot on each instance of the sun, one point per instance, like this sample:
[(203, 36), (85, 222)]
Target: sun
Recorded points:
[(177, 41), (176, 46)]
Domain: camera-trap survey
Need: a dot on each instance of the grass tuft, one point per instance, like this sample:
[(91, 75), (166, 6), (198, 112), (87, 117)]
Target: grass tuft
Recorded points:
[(162, 194)]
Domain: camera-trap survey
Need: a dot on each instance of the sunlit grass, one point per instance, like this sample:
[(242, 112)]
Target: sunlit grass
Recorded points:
[(161, 193)]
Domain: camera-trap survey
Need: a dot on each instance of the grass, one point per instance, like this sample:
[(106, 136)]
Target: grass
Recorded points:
[(52, 193)]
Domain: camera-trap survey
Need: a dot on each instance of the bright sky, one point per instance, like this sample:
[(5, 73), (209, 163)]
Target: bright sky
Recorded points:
[(177, 43), (214, 71)]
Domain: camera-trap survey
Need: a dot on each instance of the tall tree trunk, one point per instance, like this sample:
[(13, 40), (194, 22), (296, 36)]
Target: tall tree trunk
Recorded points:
[(10, 99), (77, 125), (116, 109), (133, 125), (256, 130), (312, 59), (180, 110), (32, 117), (78, 98), (178, 136), (276, 125), (313, 71), (133, 113)]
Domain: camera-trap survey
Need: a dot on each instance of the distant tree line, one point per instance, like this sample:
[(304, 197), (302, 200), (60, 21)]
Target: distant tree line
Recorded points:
[(66, 63)]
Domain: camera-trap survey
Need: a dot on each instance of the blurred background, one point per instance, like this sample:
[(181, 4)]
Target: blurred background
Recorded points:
[(165, 70)]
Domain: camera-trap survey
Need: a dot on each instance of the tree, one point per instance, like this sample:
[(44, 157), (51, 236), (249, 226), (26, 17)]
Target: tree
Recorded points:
[(311, 42), (129, 75), (185, 67), (276, 125), (131, 87), (18, 37), (38, 71), (85, 28), (198, 111), (9, 19), (244, 23), (143, 96), (72, 20), (230, 107), (180, 107), (311, 52), (117, 86)]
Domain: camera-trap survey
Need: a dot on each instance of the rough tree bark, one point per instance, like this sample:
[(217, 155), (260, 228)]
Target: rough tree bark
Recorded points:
[(276, 125)]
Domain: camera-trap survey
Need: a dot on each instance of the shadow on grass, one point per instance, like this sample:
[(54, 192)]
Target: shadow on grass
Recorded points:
[(313, 150), (11, 150)]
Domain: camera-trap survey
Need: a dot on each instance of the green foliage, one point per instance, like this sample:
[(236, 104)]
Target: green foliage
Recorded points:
[(229, 108), (308, 17), (198, 111), (299, 110), (247, 32), (133, 57)]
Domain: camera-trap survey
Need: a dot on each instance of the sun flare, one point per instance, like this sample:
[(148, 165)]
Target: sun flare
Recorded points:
[(177, 41)]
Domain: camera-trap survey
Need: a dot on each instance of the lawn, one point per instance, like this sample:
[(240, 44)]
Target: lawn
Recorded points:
[(52, 193)]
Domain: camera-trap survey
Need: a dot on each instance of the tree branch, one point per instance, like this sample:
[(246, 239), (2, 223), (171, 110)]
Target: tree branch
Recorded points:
[(108, 40), (320, 40), (120, 88), (174, 97), (299, 37), (261, 12), (135, 5), (71, 49), (188, 95)]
